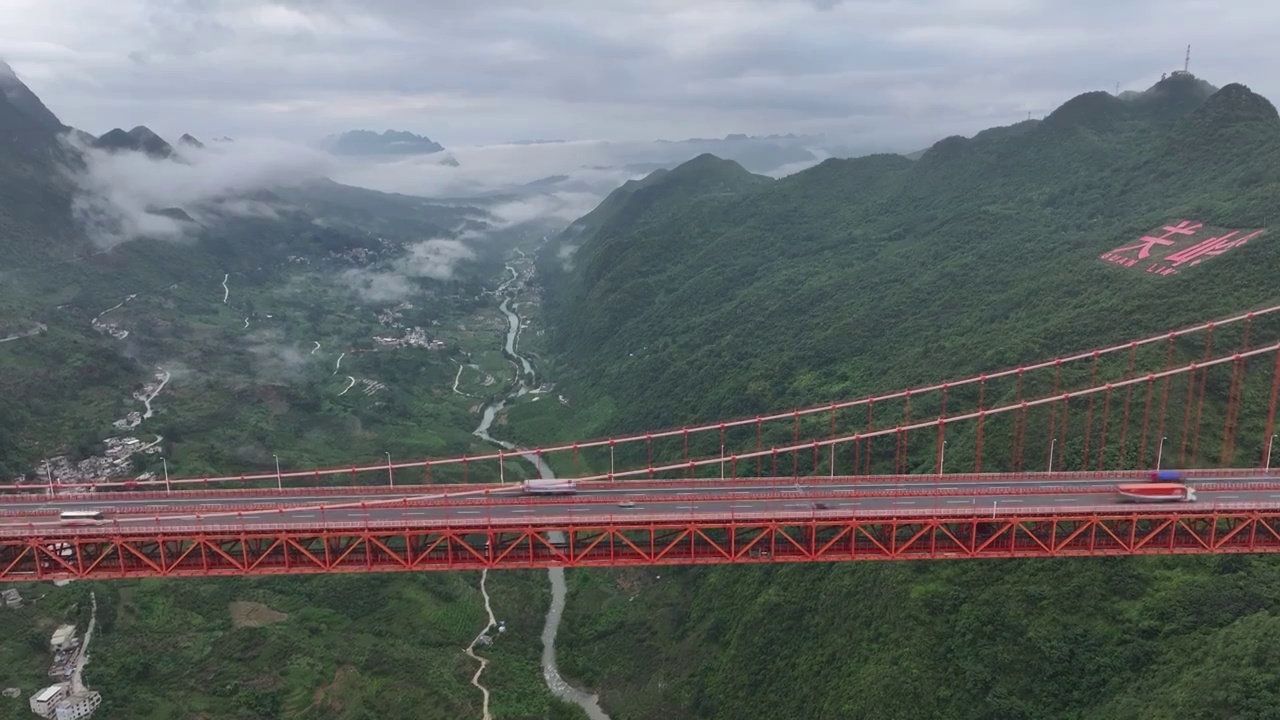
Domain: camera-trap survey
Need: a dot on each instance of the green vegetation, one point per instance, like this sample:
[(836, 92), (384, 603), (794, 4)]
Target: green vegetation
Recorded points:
[(318, 265), (342, 646), (708, 292)]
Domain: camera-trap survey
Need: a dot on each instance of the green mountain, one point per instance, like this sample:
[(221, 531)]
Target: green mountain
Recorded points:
[(706, 292)]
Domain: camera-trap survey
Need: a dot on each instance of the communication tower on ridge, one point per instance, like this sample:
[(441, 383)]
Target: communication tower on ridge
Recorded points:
[(1186, 64)]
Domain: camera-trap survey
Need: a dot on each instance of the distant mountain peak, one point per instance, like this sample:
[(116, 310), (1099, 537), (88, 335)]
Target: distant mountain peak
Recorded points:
[(1184, 83), (1237, 103), (1094, 110), (1231, 120), (709, 173), (1171, 98), (188, 140), (389, 142), (139, 139)]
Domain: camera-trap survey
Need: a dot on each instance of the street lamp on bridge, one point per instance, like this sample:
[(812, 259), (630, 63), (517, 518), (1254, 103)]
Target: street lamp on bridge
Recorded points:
[(279, 480), (1052, 445), (391, 478), (1160, 452), (166, 474), (1270, 443)]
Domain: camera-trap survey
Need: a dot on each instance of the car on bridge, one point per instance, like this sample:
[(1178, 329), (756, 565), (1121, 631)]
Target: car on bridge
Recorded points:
[(81, 517), (550, 487)]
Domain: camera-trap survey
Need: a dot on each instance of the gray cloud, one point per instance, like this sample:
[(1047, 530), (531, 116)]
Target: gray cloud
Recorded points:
[(434, 259), (891, 73), (122, 196)]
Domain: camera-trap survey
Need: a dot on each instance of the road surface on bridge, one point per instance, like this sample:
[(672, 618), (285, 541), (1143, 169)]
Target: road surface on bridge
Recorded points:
[(629, 500)]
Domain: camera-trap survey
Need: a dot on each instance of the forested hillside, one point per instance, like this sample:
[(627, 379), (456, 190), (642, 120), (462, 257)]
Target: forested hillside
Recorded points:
[(726, 294)]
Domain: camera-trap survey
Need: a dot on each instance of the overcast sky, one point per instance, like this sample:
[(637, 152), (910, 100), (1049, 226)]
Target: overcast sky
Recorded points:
[(471, 72)]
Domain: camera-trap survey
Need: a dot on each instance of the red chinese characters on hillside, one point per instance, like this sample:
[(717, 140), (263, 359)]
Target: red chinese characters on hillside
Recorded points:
[(1168, 249)]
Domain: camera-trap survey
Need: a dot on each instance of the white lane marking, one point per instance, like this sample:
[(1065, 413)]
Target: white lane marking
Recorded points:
[(304, 516), (581, 509), (958, 502), (1066, 500), (418, 513), (684, 507), (795, 504), (468, 512), (847, 504), (949, 488), (742, 505), (1232, 497), (521, 511), (904, 502), (1010, 501), (355, 515)]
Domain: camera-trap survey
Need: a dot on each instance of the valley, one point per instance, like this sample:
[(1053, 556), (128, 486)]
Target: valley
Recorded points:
[(315, 324), (478, 336)]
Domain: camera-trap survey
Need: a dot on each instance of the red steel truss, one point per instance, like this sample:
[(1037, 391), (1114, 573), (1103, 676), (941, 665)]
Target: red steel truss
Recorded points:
[(1102, 531)]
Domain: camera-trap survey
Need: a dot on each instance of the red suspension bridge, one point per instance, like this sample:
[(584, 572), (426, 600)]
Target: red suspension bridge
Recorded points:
[(1022, 462)]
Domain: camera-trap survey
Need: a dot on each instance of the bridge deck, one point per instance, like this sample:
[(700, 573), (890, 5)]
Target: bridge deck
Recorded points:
[(702, 538)]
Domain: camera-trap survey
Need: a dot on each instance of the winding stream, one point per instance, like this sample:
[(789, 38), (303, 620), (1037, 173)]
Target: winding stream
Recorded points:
[(550, 672)]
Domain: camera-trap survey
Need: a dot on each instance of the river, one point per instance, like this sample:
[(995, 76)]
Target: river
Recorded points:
[(559, 590)]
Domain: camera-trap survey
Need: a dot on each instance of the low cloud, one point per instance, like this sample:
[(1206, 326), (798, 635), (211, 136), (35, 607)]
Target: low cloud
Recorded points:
[(565, 255), (436, 259), (575, 171), (123, 196), (563, 206), (273, 360), (377, 285), (490, 169)]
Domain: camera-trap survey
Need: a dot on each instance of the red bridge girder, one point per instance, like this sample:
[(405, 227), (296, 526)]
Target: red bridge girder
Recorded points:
[(300, 550)]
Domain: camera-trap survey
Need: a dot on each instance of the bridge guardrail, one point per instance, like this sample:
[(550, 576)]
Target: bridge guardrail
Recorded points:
[(621, 521), (172, 513), (35, 493)]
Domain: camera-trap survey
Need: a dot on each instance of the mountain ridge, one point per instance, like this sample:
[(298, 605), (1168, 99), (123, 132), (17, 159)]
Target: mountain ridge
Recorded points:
[(21, 97), (389, 142), (139, 139), (863, 276)]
